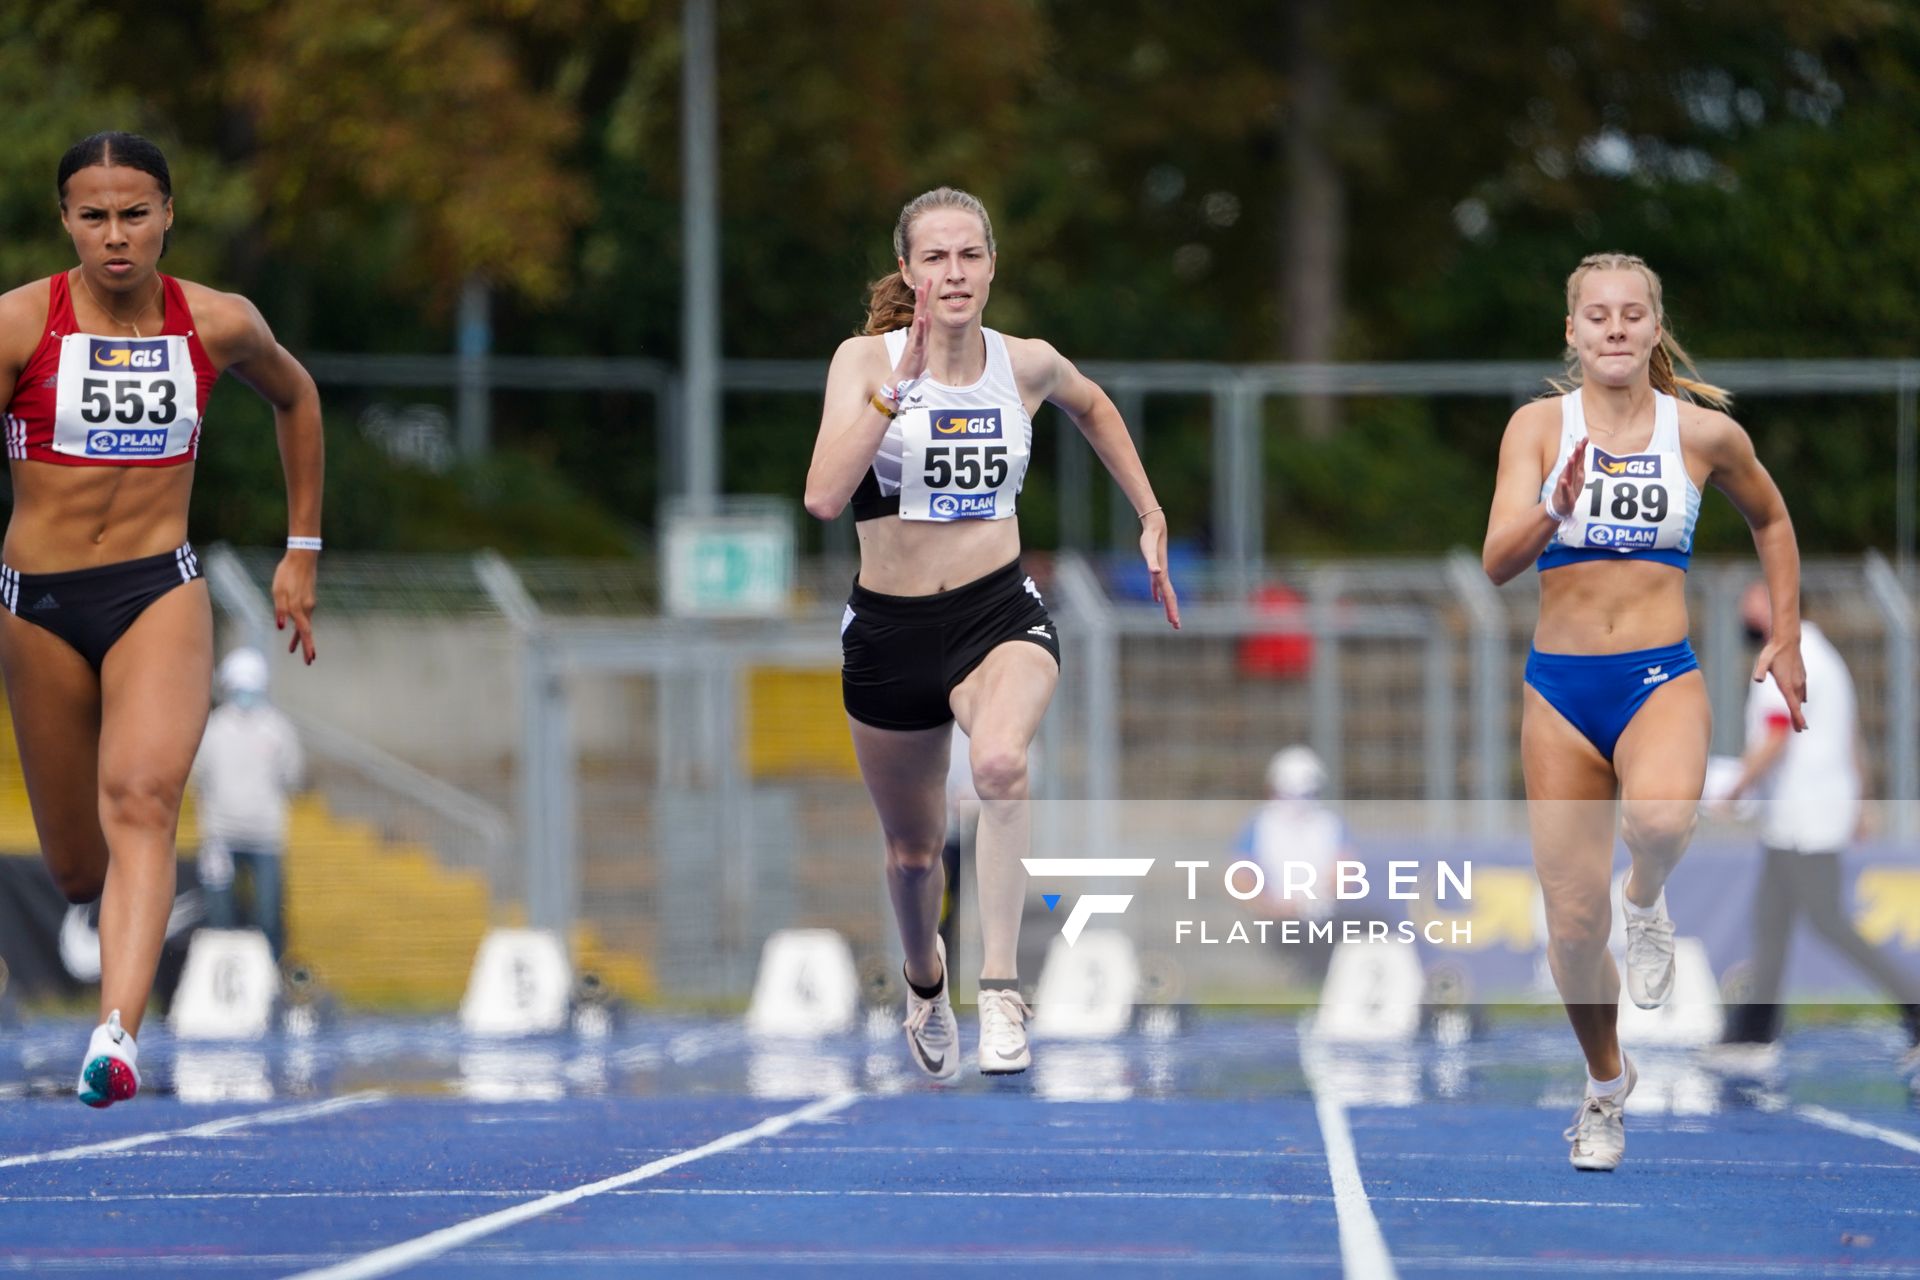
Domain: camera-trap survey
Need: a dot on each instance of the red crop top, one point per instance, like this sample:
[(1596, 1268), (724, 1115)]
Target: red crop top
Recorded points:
[(87, 401)]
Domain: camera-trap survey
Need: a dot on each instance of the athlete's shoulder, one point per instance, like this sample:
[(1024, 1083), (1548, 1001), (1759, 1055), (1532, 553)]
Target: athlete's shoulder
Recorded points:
[(25, 306), (860, 350), (218, 315), (1539, 417), (1704, 422)]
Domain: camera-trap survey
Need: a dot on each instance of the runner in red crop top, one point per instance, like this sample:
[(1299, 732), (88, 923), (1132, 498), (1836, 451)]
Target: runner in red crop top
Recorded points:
[(106, 633)]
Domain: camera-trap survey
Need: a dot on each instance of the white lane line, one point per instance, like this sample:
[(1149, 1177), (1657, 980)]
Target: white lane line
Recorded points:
[(384, 1262), (211, 1129), (455, 1193), (1363, 1250), (1858, 1128)]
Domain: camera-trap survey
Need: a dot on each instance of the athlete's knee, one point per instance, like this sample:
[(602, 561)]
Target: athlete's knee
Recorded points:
[(1579, 933), (139, 799), (1658, 825), (79, 884), (914, 856), (999, 773)]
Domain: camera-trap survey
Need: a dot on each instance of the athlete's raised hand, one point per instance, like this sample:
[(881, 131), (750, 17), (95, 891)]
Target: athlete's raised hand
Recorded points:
[(1153, 547), (1781, 660), (913, 357), (1566, 490), (293, 598)]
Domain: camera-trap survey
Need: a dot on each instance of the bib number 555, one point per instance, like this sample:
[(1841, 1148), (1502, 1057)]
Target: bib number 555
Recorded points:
[(963, 466)]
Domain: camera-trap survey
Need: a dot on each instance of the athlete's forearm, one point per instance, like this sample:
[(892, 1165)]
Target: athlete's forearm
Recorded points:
[(303, 460), (1107, 432), (1780, 564), (840, 461), (1516, 544)]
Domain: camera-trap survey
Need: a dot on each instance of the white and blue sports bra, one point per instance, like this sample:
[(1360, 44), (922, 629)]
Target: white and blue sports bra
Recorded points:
[(953, 453), (1643, 505)]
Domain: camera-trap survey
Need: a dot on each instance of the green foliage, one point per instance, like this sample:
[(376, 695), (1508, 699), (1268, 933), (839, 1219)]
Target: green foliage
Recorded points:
[(349, 163)]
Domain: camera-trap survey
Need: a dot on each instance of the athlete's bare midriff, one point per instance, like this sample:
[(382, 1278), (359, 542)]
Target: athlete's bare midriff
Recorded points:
[(67, 517), (1602, 606), (922, 558)]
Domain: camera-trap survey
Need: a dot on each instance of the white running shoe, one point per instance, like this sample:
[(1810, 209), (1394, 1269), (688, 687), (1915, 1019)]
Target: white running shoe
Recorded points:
[(110, 1072), (1650, 958), (933, 1034), (1003, 1032), (1599, 1132)]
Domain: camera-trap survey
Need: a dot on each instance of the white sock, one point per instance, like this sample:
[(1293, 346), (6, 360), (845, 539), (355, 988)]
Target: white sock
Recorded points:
[(1602, 1088), (1659, 907)]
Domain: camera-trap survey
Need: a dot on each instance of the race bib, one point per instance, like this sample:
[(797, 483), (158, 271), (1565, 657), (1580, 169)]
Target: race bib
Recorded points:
[(125, 399), (961, 464), (1629, 503)]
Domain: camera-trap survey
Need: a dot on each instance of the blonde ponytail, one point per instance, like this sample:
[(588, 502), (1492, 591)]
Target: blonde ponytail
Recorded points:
[(1667, 358)]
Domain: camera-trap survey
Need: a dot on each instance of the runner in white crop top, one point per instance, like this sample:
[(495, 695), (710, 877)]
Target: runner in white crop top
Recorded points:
[(926, 431)]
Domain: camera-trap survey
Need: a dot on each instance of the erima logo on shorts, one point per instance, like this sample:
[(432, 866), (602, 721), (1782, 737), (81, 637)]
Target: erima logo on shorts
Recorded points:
[(1639, 466), (129, 355), (982, 424), (1622, 537), (127, 444), (963, 506)]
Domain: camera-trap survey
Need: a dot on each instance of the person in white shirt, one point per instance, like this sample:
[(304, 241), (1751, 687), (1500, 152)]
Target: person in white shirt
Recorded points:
[(249, 762), (1296, 825), (1808, 787)]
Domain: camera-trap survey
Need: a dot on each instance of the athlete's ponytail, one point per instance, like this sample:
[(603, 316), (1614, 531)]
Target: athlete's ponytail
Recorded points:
[(1668, 357), (890, 298), (889, 304)]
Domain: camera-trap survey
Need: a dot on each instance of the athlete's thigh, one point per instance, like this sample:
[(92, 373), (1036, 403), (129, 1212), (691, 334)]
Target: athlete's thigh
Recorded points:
[(156, 687), (906, 774), (55, 700), (1002, 700), (1662, 753), (1570, 790)]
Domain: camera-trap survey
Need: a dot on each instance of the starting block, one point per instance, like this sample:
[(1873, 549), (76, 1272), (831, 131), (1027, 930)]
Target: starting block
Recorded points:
[(1372, 994), (807, 985), (520, 985), (228, 988), (1087, 990)]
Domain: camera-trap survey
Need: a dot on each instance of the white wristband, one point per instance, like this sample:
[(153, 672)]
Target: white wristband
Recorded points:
[(303, 544), (897, 395)]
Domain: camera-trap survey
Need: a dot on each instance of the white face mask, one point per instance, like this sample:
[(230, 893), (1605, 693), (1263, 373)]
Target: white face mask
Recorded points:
[(246, 698)]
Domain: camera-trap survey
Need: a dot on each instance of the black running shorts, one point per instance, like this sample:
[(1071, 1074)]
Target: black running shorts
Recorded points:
[(92, 608), (902, 655)]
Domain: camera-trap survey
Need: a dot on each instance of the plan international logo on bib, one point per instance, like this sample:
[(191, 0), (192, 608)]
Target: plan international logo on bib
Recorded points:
[(127, 444), (1622, 537), (963, 506), (128, 355)]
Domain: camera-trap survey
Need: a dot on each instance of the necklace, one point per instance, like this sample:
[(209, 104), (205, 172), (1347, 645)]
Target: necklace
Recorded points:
[(158, 289)]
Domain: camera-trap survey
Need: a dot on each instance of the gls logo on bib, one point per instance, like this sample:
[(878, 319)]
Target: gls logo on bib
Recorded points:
[(1639, 466), (128, 355), (981, 424), (962, 506)]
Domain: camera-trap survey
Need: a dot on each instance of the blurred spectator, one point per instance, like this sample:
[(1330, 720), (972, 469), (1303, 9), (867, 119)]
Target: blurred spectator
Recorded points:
[(1297, 826), (1809, 788), (249, 762)]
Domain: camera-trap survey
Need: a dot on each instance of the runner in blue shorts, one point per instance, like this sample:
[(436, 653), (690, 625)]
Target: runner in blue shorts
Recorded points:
[(1600, 487)]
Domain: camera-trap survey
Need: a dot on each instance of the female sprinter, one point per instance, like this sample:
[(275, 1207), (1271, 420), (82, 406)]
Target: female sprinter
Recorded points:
[(927, 430), (106, 640), (1601, 486)]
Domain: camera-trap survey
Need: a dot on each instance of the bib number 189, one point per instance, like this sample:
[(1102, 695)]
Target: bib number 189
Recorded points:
[(1630, 501)]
